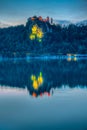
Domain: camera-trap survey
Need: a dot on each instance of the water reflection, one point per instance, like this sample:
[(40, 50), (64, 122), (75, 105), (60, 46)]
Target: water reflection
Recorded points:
[(41, 77), (37, 81)]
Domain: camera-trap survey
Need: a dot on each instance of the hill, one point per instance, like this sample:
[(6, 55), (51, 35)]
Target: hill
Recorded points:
[(42, 36)]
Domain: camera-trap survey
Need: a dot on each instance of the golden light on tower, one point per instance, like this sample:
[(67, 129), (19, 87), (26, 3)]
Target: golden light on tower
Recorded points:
[(32, 36), (36, 33), (34, 29), (40, 33)]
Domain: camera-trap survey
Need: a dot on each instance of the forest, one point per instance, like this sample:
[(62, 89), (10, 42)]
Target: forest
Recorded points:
[(15, 41)]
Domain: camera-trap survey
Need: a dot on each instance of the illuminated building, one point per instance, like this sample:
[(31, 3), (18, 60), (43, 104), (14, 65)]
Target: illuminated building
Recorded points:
[(38, 27), (34, 29), (32, 37), (36, 33), (49, 20)]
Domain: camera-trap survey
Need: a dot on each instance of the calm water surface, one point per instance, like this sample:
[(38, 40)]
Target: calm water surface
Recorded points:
[(43, 94)]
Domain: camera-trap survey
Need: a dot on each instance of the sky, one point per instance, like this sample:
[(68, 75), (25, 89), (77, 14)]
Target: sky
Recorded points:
[(17, 11)]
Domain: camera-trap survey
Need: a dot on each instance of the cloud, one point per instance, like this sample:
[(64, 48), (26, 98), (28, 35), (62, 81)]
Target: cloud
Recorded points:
[(3, 25)]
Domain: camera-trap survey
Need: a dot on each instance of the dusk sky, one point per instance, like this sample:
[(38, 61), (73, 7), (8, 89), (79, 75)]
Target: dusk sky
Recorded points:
[(17, 11)]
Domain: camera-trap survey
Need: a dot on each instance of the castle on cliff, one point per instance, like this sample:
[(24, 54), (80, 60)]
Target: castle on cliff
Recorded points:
[(47, 19)]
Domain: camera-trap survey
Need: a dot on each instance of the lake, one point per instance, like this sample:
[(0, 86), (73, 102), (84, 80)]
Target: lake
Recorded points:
[(43, 94)]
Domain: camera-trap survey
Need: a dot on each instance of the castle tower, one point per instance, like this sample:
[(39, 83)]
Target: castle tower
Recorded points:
[(40, 18), (51, 20)]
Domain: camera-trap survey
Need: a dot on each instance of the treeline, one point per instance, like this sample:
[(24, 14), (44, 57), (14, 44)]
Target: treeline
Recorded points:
[(15, 42)]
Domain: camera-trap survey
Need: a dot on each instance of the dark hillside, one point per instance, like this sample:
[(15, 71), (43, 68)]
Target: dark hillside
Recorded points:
[(41, 36)]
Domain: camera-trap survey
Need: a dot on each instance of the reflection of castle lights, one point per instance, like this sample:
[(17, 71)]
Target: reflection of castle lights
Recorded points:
[(33, 77), (72, 57), (37, 82), (36, 33), (75, 59), (34, 94), (69, 59)]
